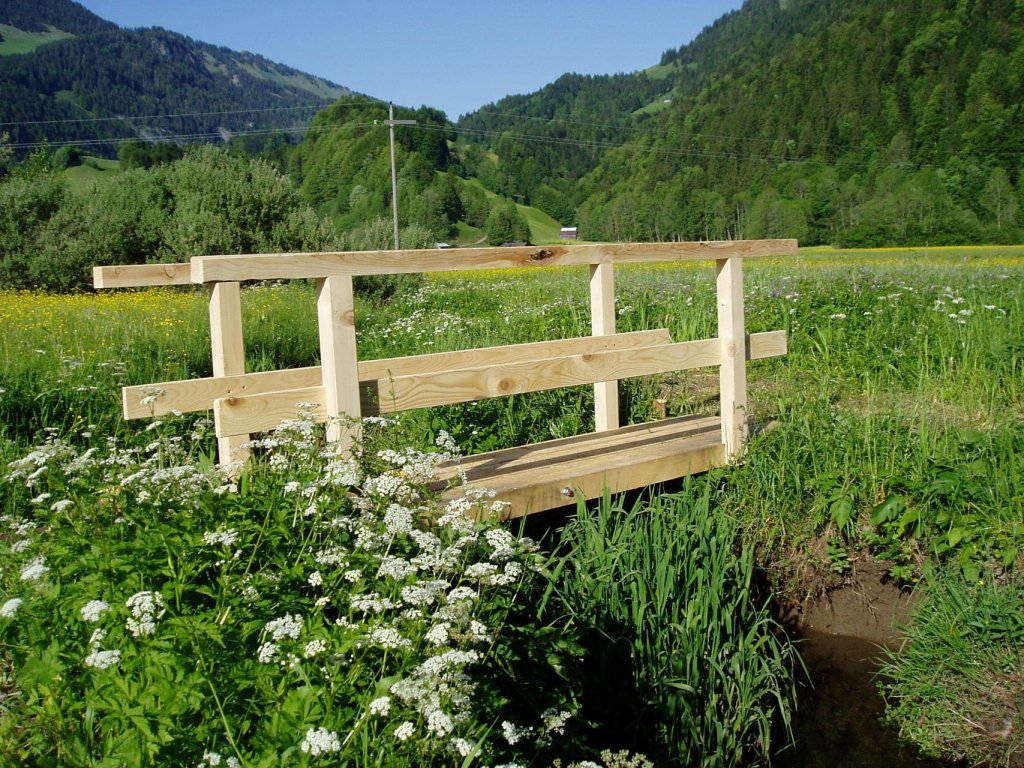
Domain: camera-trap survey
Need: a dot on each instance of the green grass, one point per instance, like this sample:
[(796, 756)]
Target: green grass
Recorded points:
[(898, 428), (955, 685), (667, 585), (543, 228), (661, 71), (18, 41), (470, 236), (93, 171)]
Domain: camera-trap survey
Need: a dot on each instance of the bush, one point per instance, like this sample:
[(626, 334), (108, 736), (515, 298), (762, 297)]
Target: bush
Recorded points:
[(153, 611)]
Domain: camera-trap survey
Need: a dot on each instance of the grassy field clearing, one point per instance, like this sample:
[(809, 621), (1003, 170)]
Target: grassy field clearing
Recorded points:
[(899, 432)]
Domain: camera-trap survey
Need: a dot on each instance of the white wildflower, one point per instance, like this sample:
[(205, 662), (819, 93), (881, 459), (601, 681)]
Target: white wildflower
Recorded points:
[(464, 747), (99, 659), (381, 706), (315, 579), (20, 545), (146, 608), (93, 610), (398, 519), (395, 568), (513, 733), (34, 569), (460, 594), (226, 538), (405, 731), (319, 741), (554, 721), (9, 609), (370, 602), (266, 653), (287, 626), (388, 638), (60, 506), (438, 634), (439, 723), (314, 648), (41, 498)]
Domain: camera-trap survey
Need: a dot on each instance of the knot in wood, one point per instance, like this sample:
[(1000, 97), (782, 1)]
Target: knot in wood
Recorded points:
[(542, 255), (232, 401), (504, 385)]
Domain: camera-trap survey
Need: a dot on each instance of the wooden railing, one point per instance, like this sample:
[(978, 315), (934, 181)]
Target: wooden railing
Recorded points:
[(245, 403)]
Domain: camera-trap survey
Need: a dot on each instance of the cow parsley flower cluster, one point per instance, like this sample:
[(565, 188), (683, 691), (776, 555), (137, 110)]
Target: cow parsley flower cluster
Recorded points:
[(146, 608)]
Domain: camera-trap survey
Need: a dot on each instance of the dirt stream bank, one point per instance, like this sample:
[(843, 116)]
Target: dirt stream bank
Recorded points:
[(843, 628)]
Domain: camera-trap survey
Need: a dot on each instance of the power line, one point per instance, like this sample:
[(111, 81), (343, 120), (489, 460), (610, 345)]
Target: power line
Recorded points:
[(596, 144), (122, 118)]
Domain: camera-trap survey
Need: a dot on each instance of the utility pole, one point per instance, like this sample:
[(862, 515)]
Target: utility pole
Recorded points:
[(391, 123)]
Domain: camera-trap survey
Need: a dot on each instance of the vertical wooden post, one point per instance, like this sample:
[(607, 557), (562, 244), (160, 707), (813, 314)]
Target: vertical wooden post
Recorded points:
[(337, 320), (228, 350), (602, 323), (733, 369)]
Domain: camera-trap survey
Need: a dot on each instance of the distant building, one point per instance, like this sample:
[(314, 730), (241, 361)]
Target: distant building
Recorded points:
[(443, 245), (512, 245), (568, 233)]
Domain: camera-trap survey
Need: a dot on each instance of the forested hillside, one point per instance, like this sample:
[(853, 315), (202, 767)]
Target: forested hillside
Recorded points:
[(54, 92), (868, 122), (344, 169)]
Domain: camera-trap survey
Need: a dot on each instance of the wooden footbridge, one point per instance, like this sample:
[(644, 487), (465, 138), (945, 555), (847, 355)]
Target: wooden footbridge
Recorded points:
[(531, 478)]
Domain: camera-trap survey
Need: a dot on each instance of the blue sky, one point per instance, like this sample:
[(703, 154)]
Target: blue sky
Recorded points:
[(457, 55)]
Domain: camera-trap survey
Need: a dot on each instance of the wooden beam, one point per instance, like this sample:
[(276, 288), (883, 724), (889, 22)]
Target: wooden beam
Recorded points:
[(733, 370), (509, 354), (141, 275), (337, 320), (458, 386), (228, 353), (190, 395), (291, 266), (602, 323), (258, 412), (542, 476)]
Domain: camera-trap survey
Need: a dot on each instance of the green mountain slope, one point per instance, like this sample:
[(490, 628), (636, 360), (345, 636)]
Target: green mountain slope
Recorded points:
[(56, 91), (868, 122)]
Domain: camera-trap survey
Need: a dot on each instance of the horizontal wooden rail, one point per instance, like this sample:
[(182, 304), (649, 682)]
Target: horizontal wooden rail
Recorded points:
[(292, 266), (260, 412), (142, 275), (190, 395)]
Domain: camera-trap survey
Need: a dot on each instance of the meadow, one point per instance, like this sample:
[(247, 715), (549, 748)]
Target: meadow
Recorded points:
[(894, 430)]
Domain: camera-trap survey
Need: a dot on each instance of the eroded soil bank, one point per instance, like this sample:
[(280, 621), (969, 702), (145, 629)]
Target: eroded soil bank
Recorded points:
[(838, 722)]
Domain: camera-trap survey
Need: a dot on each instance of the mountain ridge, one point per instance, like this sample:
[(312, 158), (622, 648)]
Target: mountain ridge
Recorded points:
[(74, 90)]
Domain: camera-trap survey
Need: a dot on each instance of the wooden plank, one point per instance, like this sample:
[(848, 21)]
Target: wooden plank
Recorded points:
[(549, 475), (261, 411), (767, 344), (508, 354), (190, 395), (733, 370), (141, 275), (458, 386), (265, 411), (227, 348), (291, 266), (337, 321), (537, 455), (602, 323)]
